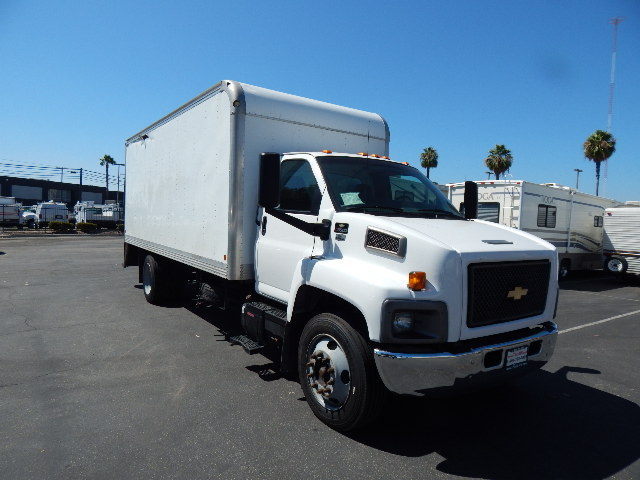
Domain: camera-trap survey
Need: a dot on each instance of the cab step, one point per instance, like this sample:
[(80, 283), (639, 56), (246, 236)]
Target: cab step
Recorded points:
[(250, 346)]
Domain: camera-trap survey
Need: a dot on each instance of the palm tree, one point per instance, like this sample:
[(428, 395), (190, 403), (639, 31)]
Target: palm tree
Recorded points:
[(499, 160), (599, 146), (105, 161), (429, 159)]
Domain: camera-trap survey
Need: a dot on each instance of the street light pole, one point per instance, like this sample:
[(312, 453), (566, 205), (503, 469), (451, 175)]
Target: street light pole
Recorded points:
[(118, 190), (578, 171), (488, 175)]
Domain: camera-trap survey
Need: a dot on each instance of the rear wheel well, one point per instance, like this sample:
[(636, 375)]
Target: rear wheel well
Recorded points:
[(309, 302)]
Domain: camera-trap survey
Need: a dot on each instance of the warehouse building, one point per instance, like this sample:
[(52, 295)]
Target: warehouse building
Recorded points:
[(30, 191)]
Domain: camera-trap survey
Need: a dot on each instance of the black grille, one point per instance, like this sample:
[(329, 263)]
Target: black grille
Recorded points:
[(382, 241), (501, 292)]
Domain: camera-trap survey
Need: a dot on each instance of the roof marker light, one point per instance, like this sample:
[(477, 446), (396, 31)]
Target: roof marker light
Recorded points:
[(327, 151), (374, 155), (404, 163), (364, 154), (385, 157)]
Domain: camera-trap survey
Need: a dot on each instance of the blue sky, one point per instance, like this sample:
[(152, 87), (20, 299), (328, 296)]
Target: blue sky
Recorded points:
[(79, 77)]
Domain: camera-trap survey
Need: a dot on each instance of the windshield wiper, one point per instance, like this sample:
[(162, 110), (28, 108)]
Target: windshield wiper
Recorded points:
[(364, 208)]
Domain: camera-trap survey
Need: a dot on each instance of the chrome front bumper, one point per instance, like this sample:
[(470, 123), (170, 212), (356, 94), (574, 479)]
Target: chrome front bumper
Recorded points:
[(418, 373)]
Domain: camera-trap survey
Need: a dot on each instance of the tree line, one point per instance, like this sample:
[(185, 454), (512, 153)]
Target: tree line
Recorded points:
[(598, 147)]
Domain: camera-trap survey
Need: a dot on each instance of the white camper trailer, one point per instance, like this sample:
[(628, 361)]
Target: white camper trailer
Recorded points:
[(9, 212), (622, 239), (107, 216), (566, 218)]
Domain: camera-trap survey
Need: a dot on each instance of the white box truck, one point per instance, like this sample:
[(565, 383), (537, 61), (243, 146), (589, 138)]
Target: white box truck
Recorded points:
[(569, 219), (622, 240), (356, 268)]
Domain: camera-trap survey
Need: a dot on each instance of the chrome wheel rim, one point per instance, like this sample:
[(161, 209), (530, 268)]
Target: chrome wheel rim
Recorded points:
[(147, 278), (328, 372), (615, 265)]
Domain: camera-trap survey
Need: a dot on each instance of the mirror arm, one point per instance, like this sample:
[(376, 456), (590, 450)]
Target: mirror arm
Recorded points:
[(322, 230)]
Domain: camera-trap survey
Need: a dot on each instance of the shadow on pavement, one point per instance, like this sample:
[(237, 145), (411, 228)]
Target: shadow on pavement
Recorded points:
[(546, 426), (596, 281), (543, 426)]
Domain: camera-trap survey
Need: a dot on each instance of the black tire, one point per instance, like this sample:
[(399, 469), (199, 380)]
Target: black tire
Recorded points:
[(616, 265), (159, 284), (366, 393), (564, 270)]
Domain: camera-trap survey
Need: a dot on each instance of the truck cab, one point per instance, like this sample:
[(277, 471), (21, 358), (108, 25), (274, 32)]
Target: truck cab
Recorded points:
[(443, 300)]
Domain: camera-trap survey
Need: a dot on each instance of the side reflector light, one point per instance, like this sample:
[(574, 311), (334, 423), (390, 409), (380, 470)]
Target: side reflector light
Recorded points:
[(417, 281)]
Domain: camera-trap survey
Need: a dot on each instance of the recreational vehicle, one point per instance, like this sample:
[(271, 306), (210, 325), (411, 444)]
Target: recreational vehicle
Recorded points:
[(102, 215), (622, 239), (568, 219)]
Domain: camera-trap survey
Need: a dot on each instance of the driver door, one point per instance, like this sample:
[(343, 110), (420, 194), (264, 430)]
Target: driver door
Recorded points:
[(280, 246)]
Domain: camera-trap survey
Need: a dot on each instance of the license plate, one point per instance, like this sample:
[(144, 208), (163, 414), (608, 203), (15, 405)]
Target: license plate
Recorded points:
[(516, 357)]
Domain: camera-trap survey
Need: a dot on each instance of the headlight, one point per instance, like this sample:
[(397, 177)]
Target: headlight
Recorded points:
[(402, 322)]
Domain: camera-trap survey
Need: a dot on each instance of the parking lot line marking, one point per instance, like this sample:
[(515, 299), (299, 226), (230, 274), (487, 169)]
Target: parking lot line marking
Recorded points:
[(599, 321), (608, 296)]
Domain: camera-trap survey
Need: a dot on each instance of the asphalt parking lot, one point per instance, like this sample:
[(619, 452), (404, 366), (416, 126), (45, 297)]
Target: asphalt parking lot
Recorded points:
[(96, 383)]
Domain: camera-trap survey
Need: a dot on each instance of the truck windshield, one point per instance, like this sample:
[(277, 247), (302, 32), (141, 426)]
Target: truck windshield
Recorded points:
[(382, 187)]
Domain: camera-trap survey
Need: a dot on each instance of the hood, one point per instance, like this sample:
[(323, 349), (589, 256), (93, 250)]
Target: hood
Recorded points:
[(475, 236)]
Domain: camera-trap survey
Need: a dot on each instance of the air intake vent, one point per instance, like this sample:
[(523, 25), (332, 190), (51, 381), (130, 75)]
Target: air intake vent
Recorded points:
[(386, 242)]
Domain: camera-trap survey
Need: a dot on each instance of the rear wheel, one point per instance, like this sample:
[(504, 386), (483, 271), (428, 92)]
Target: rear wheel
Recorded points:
[(615, 265), (338, 374), (158, 283)]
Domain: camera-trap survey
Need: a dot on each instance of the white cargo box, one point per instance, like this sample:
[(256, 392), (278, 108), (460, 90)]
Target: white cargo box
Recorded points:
[(206, 153)]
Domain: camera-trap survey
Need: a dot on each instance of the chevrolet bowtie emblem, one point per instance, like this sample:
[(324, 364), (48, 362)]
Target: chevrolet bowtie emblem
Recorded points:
[(517, 293)]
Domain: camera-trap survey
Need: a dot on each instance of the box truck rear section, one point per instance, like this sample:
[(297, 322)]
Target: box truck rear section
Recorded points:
[(356, 268)]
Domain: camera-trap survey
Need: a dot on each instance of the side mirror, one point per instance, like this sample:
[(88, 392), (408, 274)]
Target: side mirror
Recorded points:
[(470, 200), (269, 191)]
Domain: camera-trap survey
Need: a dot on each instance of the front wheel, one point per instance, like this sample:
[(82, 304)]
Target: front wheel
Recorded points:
[(338, 374), (564, 270)]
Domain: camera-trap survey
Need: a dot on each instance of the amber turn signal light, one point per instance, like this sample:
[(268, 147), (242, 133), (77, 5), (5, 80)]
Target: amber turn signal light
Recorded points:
[(417, 281)]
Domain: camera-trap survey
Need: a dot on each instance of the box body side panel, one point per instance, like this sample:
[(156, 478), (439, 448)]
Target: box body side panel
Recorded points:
[(178, 186)]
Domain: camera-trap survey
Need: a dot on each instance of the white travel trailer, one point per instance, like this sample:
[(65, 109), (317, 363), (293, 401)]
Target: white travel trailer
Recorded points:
[(51, 212), (107, 216), (355, 268), (10, 212), (622, 239), (569, 219)]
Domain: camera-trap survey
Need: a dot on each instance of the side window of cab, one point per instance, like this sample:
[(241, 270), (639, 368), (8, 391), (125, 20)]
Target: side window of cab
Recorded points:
[(299, 191)]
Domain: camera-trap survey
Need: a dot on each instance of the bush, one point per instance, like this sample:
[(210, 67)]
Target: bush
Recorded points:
[(87, 227), (61, 226)]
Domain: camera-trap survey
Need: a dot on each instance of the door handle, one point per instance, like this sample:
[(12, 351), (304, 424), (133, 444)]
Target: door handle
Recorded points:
[(264, 225)]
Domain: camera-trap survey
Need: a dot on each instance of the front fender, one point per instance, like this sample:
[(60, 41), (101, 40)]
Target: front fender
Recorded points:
[(362, 284)]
